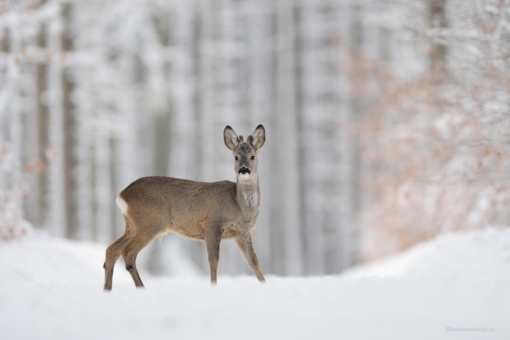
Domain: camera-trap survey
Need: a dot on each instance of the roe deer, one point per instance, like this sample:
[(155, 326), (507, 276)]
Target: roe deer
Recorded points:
[(154, 206)]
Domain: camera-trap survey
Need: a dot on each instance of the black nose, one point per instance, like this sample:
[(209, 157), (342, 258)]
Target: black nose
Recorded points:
[(244, 170)]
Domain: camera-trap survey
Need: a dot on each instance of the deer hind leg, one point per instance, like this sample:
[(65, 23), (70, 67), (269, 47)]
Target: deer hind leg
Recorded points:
[(245, 246), (212, 242), (113, 252), (130, 253)]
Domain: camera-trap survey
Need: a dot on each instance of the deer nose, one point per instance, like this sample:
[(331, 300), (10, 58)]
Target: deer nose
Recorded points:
[(244, 170)]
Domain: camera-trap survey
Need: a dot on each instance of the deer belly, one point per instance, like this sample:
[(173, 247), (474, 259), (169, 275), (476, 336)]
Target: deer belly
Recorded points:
[(232, 231), (190, 232)]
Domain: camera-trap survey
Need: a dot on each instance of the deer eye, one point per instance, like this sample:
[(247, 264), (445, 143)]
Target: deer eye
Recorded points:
[(252, 158), (237, 158)]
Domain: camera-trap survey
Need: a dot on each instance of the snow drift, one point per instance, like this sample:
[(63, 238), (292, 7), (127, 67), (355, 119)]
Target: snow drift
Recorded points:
[(453, 287)]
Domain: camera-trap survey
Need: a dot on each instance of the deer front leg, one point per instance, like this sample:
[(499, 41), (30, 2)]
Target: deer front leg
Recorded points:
[(245, 246), (213, 235)]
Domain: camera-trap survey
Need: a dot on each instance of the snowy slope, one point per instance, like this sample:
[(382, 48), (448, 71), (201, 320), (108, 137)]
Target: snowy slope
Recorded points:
[(51, 289), (478, 255)]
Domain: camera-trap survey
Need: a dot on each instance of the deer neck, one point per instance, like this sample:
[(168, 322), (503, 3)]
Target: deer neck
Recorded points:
[(248, 194)]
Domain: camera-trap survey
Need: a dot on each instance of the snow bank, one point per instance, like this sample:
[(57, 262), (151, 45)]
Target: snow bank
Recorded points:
[(455, 287), (479, 255), (43, 261)]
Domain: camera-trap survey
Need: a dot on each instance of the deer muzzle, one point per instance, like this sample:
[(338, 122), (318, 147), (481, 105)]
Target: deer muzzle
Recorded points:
[(244, 172)]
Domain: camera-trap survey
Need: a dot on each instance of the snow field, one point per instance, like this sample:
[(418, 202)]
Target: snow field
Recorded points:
[(52, 289)]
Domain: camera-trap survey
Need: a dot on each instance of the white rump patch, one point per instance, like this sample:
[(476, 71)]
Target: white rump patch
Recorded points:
[(122, 205)]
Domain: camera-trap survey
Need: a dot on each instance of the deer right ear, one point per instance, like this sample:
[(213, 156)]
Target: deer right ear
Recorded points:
[(230, 138)]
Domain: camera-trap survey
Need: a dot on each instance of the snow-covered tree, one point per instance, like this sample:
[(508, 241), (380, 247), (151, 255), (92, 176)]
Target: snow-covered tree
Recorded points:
[(439, 142)]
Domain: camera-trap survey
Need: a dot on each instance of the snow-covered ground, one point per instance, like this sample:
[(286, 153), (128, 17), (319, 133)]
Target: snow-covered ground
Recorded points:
[(52, 289)]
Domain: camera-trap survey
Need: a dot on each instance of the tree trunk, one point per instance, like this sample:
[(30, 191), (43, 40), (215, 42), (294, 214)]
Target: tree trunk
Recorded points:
[(437, 19), (42, 112), (70, 131)]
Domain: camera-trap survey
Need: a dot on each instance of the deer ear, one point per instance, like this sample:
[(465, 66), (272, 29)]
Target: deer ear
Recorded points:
[(230, 138), (258, 138)]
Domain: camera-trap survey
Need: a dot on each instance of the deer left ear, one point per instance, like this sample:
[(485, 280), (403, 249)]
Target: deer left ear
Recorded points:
[(258, 138)]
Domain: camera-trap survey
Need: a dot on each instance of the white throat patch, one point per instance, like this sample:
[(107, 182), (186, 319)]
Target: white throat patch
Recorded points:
[(251, 199), (244, 176)]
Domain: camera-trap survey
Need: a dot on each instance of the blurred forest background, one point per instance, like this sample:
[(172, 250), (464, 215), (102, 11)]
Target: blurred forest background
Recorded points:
[(387, 121)]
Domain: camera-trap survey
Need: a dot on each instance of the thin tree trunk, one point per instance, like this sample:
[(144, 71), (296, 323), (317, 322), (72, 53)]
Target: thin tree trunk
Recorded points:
[(41, 74), (357, 107), (288, 143), (275, 198), (437, 19), (301, 139), (70, 132)]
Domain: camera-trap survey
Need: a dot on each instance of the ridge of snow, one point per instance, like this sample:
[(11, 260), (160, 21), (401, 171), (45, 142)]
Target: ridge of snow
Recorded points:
[(481, 254)]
